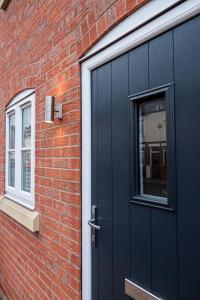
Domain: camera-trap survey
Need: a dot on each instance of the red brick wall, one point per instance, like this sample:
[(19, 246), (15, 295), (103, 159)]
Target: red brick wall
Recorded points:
[(40, 43)]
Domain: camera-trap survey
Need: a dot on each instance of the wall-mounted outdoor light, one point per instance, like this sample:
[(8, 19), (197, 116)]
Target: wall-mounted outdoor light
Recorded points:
[(51, 108)]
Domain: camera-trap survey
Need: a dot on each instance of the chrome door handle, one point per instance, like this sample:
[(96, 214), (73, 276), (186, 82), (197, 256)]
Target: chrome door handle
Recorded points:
[(93, 225)]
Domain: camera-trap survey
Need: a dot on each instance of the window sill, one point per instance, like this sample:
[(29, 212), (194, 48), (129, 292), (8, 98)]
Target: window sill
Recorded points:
[(29, 219)]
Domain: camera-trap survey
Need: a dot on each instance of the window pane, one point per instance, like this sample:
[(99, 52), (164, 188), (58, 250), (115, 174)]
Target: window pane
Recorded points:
[(152, 138), (12, 132), (26, 171), (11, 169), (26, 127)]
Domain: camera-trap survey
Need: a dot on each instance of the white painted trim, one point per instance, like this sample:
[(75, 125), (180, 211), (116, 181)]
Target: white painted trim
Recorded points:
[(170, 19), (20, 97), (145, 13), (21, 101)]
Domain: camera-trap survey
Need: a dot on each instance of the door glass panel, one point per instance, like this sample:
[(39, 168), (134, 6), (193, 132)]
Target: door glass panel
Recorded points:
[(152, 146)]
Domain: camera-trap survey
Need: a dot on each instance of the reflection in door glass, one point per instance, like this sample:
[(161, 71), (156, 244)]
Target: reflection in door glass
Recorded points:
[(152, 145)]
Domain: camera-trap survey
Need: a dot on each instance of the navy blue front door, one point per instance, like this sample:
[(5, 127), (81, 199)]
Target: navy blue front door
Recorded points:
[(146, 168)]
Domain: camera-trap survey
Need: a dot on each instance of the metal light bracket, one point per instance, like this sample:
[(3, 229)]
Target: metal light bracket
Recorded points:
[(52, 108), (58, 111)]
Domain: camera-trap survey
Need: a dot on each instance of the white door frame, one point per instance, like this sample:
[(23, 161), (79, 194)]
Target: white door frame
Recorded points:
[(95, 58)]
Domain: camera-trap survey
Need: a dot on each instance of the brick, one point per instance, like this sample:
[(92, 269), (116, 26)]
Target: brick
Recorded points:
[(130, 4), (101, 25), (111, 16), (120, 9), (86, 42), (93, 34), (84, 26), (100, 7)]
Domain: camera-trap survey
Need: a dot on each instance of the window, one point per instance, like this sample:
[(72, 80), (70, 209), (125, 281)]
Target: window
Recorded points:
[(153, 179), (11, 151), (153, 147), (20, 149)]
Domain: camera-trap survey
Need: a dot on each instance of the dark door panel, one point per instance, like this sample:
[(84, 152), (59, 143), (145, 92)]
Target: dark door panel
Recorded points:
[(120, 166), (164, 254), (102, 268), (187, 92), (140, 217), (164, 237), (152, 237), (141, 245), (95, 257)]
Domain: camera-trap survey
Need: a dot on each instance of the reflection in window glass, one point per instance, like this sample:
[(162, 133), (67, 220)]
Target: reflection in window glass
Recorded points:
[(12, 131), (152, 139), (26, 149), (11, 169), (11, 151), (26, 127), (26, 171)]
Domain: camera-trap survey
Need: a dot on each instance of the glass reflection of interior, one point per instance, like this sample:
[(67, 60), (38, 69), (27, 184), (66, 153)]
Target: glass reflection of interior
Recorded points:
[(26, 130), (11, 169), (11, 150), (26, 149), (152, 144)]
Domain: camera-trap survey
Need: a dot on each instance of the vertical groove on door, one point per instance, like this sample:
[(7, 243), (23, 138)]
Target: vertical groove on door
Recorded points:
[(121, 182), (140, 215), (187, 106), (105, 183), (94, 115), (176, 203), (164, 239)]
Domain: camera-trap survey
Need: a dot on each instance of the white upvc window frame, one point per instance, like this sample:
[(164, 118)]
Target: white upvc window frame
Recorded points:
[(16, 106)]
